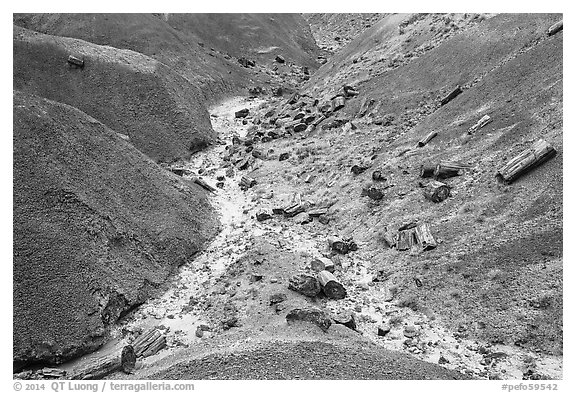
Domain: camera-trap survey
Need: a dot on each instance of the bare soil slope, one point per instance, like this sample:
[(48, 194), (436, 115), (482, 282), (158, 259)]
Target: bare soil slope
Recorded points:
[(133, 94), (97, 225)]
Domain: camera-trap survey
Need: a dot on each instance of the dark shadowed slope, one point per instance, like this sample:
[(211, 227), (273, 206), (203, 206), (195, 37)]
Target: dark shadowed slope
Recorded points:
[(131, 93), (97, 225)]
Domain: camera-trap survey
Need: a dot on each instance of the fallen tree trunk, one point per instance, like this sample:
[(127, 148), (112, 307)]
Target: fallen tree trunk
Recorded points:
[(146, 340), (331, 286), (436, 191), (538, 153), (98, 368), (555, 28), (453, 94), (422, 142), (481, 123)]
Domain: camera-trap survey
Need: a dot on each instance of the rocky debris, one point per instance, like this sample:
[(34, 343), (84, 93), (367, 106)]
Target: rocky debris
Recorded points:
[(555, 28), (345, 318), (481, 123), (277, 298), (78, 63), (305, 284), (324, 220), (331, 286), (322, 263), (241, 113), (302, 218), (247, 182), (199, 332), (540, 152), (256, 91), (436, 191), (230, 318), (263, 215), (280, 59), (246, 63), (383, 329), (372, 192), (342, 246), (310, 314), (410, 331), (377, 175), (359, 168), (453, 94), (422, 142)]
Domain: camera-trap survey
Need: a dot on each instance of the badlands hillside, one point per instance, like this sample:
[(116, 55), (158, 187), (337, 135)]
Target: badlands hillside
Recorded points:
[(254, 196)]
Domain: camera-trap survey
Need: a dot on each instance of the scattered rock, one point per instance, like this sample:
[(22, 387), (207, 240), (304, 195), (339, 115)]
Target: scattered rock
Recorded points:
[(277, 298), (384, 329), (241, 113), (263, 215), (280, 59), (410, 331)]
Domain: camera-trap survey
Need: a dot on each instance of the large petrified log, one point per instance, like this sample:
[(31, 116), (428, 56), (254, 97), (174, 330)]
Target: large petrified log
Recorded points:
[(555, 28), (453, 94), (338, 103), (331, 286), (406, 239), (149, 342), (436, 191), (98, 368), (540, 152), (422, 142)]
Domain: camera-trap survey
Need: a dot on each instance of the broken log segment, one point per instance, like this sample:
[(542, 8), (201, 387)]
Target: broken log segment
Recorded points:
[(331, 286), (555, 28), (76, 61), (347, 319), (305, 284), (389, 239), (427, 170), (247, 182), (436, 191), (481, 123), (405, 239), (98, 368), (424, 237), (204, 185), (453, 94), (448, 169), (341, 246), (337, 103), (422, 142), (540, 152), (322, 263)]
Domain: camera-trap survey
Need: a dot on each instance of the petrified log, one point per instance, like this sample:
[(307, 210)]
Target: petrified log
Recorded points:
[(436, 191), (263, 215), (555, 28), (144, 340), (331, 286), (47, 372), (424, 237), (76, 61), (427, 170), (341, 246), (405, 239), (245, 163), (322, 263), (337, 103), (247, 182), (280, 59), (481, 123), (318, 212), (359, 168), (453, 94), (294, 210), (310, 314), (349, 91), (305, 284), (292, 124), (204, 185), (422, 142), (446, 169), (540, 152), (98, 368), (309, 119), (155, 347), (347, 319), (318, 120), (366, 106)]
